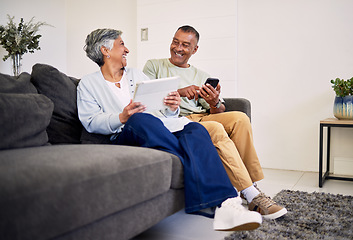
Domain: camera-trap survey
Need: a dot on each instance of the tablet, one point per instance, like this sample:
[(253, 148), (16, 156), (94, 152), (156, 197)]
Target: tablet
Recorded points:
[(152, 92)]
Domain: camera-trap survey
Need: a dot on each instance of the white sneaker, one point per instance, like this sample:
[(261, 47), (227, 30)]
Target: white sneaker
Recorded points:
[(232, 216)]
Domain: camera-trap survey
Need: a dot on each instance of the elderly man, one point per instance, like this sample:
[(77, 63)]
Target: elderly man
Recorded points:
[(231, 132)]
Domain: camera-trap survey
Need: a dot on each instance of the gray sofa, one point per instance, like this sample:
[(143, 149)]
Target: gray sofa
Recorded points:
[(52, 186)]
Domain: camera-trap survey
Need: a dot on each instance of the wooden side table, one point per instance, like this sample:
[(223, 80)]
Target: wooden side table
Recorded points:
[(328, 123)]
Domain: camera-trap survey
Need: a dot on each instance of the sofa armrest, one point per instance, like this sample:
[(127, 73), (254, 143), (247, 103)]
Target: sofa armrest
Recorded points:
[(238, 104)]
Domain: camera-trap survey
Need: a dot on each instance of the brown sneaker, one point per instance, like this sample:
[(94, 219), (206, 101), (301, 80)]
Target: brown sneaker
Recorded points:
[(268, 208)]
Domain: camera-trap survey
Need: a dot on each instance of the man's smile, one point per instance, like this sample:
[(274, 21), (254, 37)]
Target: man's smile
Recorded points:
[(179, 54)]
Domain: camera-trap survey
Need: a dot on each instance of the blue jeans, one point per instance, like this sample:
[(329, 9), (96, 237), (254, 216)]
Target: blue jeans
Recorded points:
[(206, 182)]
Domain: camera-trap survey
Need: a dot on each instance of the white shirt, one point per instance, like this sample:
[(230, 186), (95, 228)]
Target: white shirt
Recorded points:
[(123, 93)]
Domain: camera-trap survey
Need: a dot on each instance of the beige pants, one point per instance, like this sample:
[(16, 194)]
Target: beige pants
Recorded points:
[(231, 133)]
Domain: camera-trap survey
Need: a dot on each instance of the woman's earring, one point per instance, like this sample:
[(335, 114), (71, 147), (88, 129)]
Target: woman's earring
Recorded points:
[(108, 56)]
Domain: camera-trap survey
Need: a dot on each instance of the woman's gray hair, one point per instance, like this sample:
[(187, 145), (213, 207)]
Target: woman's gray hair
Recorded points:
[(98, 38)]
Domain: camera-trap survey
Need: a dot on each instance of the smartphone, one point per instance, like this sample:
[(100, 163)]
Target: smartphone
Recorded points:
[(212, 81)]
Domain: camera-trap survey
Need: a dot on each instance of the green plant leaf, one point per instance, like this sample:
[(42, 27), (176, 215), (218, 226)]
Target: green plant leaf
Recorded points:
[(342, 87), (21, 38)]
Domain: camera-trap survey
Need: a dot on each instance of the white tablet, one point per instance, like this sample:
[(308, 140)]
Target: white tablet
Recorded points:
[(152, 92)]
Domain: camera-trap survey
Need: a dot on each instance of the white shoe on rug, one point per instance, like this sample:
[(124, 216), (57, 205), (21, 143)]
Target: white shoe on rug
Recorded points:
[(232, 216)]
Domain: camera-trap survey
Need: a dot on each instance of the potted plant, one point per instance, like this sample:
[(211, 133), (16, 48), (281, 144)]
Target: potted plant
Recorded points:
[(18, 40), (343, 105)]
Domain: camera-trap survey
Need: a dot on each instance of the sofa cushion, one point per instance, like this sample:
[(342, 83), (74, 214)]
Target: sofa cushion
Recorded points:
[(64, 127), (47, 191), (177, 173), (94, 138), (20, 84), (24, 119)]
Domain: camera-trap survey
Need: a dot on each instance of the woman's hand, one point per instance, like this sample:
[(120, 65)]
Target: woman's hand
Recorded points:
[(130, 109), (190, 92), (172, 101)]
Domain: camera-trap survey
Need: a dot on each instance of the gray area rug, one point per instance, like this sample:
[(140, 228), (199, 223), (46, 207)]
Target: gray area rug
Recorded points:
[(310, 216)]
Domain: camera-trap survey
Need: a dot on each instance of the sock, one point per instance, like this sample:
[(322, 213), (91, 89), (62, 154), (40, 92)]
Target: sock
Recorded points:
[(250, 193)]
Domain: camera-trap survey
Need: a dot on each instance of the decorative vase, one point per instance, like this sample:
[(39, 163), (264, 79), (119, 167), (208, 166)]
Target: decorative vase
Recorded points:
[(343, 107), (16, 64)]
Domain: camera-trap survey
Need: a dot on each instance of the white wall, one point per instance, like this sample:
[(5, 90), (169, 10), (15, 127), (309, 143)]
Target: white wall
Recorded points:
[(84, 16), (53, 40), (62, 45), (280, 54), (288, 51), (215, 21)]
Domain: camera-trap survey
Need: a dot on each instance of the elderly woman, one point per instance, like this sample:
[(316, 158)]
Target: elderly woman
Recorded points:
[(105, 107)]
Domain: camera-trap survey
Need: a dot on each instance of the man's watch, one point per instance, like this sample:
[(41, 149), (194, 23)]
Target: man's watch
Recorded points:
[(218, 105)]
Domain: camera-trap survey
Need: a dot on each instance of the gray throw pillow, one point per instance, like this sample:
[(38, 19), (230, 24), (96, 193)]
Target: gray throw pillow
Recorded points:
[(20, 84), (24, 119), (65, 126)]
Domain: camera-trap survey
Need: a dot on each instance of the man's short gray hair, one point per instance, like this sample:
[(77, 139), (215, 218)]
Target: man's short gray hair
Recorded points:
[(98, 38)]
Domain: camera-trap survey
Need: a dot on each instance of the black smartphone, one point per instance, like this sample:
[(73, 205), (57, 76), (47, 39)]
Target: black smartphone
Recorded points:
[(212, 81)]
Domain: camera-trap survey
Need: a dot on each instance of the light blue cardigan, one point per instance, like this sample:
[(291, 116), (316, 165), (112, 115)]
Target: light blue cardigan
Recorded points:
[(99, 109)]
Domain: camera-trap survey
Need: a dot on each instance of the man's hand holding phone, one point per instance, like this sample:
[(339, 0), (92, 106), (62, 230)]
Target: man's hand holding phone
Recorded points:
[(210, 91)]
